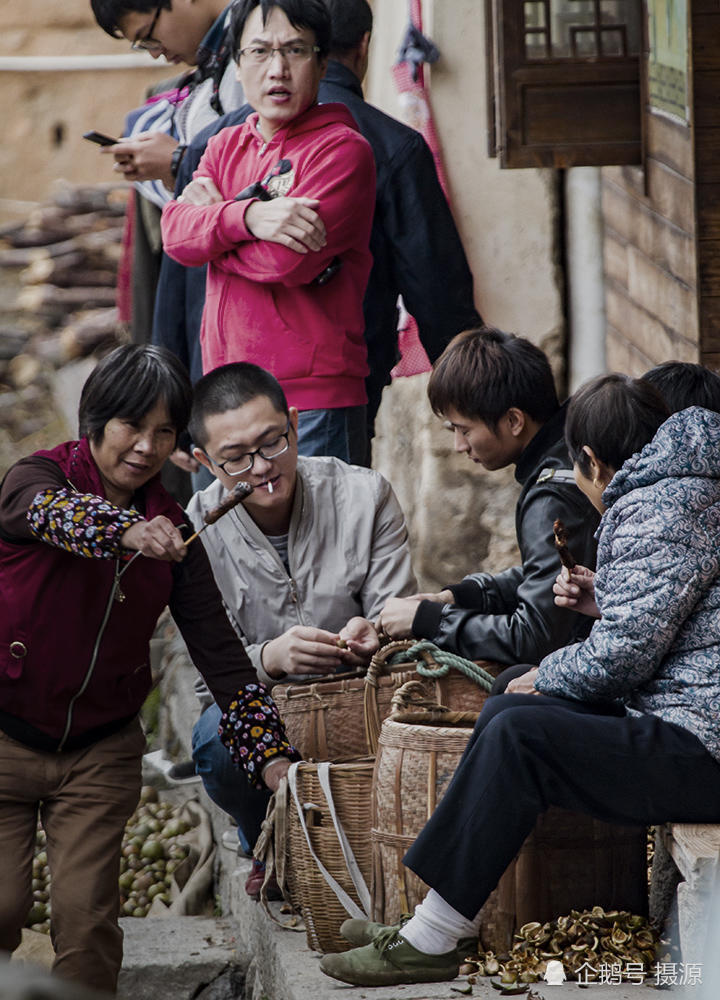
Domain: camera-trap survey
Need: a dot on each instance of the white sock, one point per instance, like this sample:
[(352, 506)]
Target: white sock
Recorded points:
[(436, 927)]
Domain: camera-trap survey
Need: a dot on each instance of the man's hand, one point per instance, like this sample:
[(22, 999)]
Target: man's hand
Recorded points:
[(576, 589), (292, 222), (397, 616), (362, 641), (202, 191), (302, 650), (274, 772), (184, 460), (442, 597), (145, 157), (524, 684), (156, 539)]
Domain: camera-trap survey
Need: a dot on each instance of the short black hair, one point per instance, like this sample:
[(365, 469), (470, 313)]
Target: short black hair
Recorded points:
[(229, 387), (109, 13), (128, 383), (616, 416), (482, 373), (682, 384), (350, 21), (310, 14)]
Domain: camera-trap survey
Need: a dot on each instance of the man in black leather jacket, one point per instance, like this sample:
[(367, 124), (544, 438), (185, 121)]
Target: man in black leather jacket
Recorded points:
[(415, 244), (497, 393)]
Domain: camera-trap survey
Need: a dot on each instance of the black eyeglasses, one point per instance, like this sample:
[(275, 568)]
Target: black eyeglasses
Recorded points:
[(244, 463), (148, 43)]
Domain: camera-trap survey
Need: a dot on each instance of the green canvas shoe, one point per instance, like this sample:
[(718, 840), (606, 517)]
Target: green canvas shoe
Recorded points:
[(362, 932), (389, 961)]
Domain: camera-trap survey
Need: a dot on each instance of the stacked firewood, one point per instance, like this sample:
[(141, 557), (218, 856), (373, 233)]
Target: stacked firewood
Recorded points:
[(58, 277)]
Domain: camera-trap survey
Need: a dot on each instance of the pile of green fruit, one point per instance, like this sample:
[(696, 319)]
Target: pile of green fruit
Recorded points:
[(152, 851)]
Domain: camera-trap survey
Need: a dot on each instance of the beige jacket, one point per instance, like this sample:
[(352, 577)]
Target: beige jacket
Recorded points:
[(348, 553)]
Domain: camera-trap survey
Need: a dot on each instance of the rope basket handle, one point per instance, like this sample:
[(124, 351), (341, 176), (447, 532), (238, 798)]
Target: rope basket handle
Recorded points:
[(410, 704), (429, 662)]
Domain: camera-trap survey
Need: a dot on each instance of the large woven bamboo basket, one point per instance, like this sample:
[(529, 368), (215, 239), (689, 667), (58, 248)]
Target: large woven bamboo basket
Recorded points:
[(569, 861), (321, 910), (417, 756), (340, 716), (324, 719)]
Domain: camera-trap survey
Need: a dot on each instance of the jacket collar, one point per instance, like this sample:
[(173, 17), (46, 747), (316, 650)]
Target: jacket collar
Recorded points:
[(550, 432), (212, 44), (338, 74)]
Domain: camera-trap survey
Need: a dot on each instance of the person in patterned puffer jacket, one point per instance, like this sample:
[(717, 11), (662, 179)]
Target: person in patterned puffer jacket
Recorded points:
[(624, 726)]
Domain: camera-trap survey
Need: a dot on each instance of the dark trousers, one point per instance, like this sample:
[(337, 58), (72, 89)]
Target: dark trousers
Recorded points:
[(529, 752)]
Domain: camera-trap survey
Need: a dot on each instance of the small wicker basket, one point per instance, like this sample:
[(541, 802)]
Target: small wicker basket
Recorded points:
[(340, 716)]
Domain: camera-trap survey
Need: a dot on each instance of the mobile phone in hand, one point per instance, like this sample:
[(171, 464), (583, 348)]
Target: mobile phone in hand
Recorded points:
[(100, 138)]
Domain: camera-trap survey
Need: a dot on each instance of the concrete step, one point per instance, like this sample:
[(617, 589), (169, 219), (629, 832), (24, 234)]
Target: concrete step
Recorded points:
[(282, 967), (182, 958)]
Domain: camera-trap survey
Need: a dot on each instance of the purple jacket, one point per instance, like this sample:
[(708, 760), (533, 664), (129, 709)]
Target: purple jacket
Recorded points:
[(72, 658)]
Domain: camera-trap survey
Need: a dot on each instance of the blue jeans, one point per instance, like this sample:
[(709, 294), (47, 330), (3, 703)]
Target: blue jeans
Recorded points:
[(341, 433), (226, 784)]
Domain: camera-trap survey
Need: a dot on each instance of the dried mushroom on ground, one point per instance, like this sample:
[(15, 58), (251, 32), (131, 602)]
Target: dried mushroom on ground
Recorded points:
[(582, 942)]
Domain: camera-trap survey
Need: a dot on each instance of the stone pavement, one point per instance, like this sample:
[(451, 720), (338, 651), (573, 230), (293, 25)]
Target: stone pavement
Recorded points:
[(284, 968)]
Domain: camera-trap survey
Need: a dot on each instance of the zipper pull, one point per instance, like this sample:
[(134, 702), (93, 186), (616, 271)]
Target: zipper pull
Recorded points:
[(293, 591)]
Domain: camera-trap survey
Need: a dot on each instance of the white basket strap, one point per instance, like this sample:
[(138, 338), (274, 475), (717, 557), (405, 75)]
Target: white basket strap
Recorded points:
[(352, 866), (349, 904)]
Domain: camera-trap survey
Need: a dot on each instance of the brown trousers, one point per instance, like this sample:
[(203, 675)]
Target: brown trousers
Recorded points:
[(84, 798)]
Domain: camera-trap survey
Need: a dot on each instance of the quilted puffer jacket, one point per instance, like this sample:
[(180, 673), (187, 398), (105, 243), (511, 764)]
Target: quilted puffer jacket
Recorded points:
[(657, 647)]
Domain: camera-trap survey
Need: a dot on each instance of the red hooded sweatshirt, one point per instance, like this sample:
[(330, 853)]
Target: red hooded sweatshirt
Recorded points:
[(263, 302)]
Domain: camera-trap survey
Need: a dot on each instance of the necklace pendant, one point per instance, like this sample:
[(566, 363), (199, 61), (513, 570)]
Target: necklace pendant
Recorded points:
[(119, 595)]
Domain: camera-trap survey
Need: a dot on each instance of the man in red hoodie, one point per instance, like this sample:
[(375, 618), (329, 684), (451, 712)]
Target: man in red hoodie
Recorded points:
[(281, 209)]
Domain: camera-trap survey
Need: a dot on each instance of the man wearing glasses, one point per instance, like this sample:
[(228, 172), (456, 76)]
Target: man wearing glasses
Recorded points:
[(190, 32), (281, 209), (310, 557)]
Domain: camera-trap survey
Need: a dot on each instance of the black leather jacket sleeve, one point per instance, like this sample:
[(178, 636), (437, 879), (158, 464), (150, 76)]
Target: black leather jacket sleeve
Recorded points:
[(515, 619)]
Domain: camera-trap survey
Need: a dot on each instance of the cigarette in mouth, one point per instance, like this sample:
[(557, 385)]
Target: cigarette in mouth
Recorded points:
[(270, 487)]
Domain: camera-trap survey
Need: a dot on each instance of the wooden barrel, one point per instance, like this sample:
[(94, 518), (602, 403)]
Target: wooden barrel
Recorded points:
[(574, 862)]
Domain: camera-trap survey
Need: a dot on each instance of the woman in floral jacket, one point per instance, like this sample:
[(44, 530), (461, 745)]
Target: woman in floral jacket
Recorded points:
[(624, 726)]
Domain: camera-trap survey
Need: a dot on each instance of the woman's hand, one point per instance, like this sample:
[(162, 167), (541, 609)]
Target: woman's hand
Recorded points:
[(361, 639), (302, 650), (156, 539), (524, 684), (576, 590), (274, 772), (145, 157)]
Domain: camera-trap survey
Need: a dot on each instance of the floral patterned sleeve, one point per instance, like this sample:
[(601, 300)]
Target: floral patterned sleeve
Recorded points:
[(81, 523), (253, 732)]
